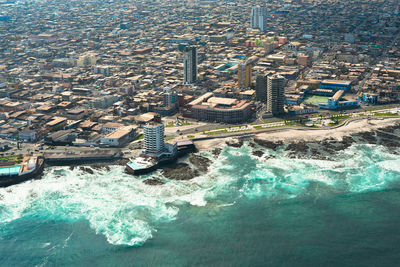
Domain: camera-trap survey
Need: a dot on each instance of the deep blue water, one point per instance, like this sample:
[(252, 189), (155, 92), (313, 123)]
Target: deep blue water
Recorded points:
[(244, 212)]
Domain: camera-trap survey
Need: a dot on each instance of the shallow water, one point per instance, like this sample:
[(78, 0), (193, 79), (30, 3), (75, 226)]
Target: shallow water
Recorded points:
[(244, 211)]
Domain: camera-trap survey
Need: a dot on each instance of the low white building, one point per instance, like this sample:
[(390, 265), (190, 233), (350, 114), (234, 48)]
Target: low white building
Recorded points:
[(119, 137)]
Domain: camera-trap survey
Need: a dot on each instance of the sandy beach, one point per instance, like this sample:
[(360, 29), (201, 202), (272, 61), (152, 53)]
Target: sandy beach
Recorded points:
[(312, 134)]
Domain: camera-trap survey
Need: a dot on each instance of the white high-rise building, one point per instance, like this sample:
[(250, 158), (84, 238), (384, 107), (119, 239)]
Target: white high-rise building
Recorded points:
[(190, 64), (259, 18), (154, 138)]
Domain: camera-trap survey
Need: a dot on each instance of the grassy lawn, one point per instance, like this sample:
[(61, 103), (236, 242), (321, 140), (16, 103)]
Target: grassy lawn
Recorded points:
[(223, 131), (385, 114), (15, 158), (340, 117), (293, 123), (316, 99), (172, 124)]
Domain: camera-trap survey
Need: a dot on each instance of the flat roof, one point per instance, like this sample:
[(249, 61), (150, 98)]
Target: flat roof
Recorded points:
[(337, 95), (221, 101), (201, 99), (56, 120), (118, 134), (113, 125), (337, 82)]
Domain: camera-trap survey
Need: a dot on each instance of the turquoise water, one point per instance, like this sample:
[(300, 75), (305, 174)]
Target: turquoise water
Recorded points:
[(9, 170), (136, 166), (245, 210)]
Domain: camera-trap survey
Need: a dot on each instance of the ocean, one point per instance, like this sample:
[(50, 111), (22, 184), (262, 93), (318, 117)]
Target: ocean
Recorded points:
[(273, 209)]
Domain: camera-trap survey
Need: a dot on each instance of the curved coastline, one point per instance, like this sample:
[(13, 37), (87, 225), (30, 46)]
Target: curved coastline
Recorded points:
[(300, 134)]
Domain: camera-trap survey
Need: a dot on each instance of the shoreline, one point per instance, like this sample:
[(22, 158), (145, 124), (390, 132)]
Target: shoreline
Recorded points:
[(384, 131), (291, 135)]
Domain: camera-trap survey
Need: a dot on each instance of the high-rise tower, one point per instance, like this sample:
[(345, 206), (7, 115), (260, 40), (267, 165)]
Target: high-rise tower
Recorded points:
[(259, 18), (154, 138), (261, 87), (275, 94), (190, 64), (244, 75)]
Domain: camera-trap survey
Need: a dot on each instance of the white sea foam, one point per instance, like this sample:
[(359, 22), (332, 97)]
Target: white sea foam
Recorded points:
[(127, 211), (392, 165)]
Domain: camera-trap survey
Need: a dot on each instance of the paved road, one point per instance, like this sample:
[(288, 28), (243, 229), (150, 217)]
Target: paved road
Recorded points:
[(200, 130)]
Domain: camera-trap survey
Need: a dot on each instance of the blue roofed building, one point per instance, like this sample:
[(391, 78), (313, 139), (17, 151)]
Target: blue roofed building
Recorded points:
[(335, 103), (335, 85)]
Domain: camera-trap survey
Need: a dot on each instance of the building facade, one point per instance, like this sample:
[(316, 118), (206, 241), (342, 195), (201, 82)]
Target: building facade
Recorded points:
[(259, 18), (275, 94), (220, 109), (244, 75), (170, 99), (154, 138), (261, 87), (190, 64), (335, 85)]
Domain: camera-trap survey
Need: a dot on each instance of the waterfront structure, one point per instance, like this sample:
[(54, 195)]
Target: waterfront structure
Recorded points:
[(244, 75), (156, 151), (190, 64), (275, 94), (30, 167), (261, 87), (259, 18), (154, 138), (220, 109)]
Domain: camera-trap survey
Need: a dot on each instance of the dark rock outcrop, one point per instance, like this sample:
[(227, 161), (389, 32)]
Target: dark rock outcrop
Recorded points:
[(216, 151), (153, 181), (180, 171), (258, 153), (234, 142), (267, 144), (297, 147), (200, 162), (368, 137), (86, 169)]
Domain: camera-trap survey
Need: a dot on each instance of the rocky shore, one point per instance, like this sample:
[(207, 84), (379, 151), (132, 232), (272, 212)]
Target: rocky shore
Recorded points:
[(322, 148), (180, 171), (201, 163), (325, 149)]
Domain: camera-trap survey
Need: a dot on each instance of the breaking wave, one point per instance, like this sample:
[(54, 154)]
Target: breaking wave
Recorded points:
[(127, 211)]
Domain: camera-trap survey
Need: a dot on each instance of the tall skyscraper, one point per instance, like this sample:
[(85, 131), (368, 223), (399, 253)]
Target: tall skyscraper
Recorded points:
[(244, 75), (259, 18), (154, 138), (190, 64), (261, 87), (275, 94)]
